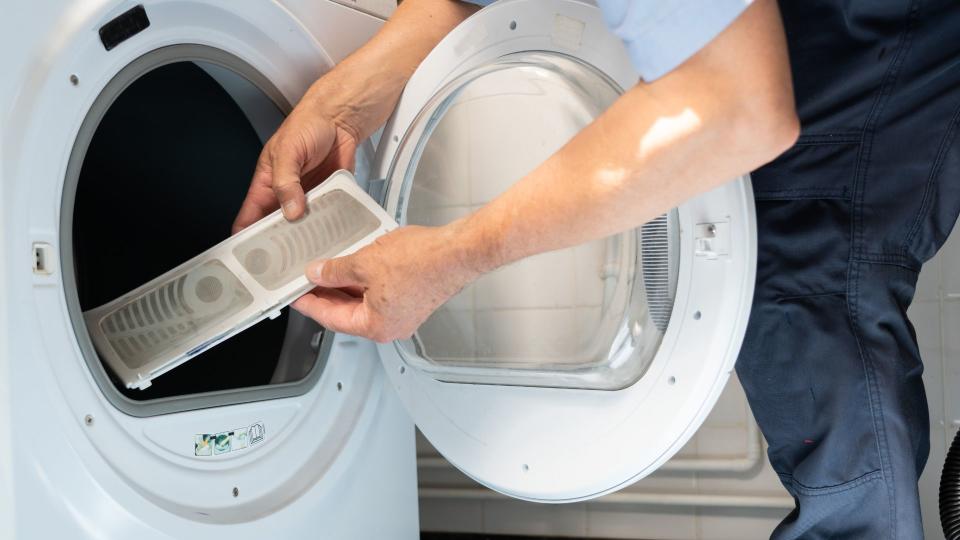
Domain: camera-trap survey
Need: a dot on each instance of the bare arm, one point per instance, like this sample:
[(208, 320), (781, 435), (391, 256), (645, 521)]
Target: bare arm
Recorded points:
[(344, 107), (724, 112), (364, 88)]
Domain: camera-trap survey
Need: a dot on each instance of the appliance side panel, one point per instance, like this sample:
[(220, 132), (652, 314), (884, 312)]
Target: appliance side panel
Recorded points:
[(338, 29)]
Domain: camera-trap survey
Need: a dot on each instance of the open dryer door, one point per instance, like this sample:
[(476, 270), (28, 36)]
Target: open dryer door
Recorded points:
[(576, 372)]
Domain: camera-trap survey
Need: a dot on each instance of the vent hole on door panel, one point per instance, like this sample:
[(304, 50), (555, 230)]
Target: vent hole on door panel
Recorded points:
[(163, 174)]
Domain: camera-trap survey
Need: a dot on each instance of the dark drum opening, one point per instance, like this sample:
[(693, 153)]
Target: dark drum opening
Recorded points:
[(162, 180)]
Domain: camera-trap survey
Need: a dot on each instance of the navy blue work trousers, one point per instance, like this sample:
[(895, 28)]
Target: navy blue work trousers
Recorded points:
[(846, 219)]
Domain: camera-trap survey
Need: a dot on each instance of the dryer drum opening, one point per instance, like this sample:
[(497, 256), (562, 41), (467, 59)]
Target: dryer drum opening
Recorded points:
[(162, 176)]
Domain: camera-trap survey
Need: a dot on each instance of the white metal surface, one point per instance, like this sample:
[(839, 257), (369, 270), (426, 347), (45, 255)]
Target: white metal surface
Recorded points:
[(553, 444), (71, 464)]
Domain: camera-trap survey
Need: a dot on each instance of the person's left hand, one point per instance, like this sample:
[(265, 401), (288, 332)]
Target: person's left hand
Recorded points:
[(387, 289)]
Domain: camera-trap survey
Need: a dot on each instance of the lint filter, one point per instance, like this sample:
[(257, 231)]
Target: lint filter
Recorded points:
[(233, 285)]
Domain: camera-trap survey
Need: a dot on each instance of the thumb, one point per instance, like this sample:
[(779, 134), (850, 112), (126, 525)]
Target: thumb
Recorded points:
[(334, 273), (287, 167)]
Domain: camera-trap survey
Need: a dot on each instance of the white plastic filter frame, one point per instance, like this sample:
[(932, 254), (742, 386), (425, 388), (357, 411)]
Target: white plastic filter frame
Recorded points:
[(567, 444), (233, 285)]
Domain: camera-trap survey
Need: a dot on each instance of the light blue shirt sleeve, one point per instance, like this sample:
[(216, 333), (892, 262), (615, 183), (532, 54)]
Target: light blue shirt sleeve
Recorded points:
[(661, 34)]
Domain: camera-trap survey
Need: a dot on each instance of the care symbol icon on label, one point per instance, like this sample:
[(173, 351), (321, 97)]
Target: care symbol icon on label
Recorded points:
[(215, 444), (256, 433)]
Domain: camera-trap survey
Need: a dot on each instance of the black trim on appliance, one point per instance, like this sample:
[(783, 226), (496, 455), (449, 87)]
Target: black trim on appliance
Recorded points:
[(124, 26)]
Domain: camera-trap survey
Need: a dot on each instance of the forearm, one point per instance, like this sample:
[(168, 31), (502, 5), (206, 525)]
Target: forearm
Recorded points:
[(362, 90), (719, 115)]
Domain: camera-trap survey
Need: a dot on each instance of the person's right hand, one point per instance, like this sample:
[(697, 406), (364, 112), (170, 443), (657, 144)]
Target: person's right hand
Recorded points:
[(309, 146)]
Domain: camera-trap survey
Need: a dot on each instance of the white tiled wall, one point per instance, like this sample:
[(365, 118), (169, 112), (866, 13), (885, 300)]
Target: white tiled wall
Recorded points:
[(936, 317)]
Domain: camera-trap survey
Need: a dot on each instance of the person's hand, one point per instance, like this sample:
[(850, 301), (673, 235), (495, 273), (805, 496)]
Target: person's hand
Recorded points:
[(308, 147), (387, 289)]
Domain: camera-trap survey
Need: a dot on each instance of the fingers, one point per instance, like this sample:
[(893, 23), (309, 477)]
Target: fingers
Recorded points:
[(252, 211), (339, 310), (248, 215), (299, 156), (244, 219), (276, 181), (335, 273), (260, 199), (287, 168), (335, 310)]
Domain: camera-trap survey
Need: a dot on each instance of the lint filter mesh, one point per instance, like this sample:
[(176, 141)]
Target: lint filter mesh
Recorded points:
[(233, 285), (277, 254), (158, 320)]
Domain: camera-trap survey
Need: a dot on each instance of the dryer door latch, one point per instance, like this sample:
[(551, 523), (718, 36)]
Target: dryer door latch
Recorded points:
[(43, 258), (712, 240)]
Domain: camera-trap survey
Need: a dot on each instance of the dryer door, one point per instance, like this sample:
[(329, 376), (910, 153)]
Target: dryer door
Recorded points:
[(576, 372)]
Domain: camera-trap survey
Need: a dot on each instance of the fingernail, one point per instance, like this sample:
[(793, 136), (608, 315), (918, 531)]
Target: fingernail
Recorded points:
[(315, 270), (288, 208)]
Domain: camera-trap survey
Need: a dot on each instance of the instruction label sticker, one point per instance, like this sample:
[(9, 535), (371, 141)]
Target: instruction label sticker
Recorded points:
[(224, 442)]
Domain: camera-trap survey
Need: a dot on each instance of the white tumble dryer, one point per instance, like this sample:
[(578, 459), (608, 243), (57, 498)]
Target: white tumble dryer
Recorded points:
[(129, 130)]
